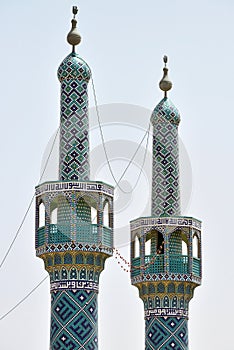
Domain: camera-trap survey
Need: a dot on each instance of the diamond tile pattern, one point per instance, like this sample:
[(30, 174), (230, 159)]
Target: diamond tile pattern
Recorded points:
[(166, 333), (74, 75), (165, 174), (74, 320)]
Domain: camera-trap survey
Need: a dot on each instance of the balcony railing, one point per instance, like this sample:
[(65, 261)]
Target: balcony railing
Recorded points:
[(40, 237), (197, 267), (154, 264), (179, 264), (107, 237), (86, 233)]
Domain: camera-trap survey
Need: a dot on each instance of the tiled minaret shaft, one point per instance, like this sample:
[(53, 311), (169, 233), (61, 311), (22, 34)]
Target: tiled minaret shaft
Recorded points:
[(166, 247), (74, 75), (73, 236), (165, 170)]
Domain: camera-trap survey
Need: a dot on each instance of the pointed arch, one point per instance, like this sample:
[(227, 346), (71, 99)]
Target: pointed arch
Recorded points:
[(67, 258), (136, 249), (157, 302), (106, 213), (73, 273), (154, 243), (174, 303), (148, 246), (54, 216), (41, 214), (166, 302), (60, 218), (83, 210), (196, 246)]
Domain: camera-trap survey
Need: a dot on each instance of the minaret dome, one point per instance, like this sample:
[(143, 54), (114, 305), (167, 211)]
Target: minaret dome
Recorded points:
[(73, 66)]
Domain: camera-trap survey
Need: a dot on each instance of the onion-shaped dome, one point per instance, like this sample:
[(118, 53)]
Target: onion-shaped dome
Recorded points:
[(165, 111), (74, 67)]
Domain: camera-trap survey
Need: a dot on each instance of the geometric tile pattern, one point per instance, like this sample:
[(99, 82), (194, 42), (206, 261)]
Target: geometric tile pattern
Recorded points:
[(165, 171), (74, 320), (74, 75), (166, 333)]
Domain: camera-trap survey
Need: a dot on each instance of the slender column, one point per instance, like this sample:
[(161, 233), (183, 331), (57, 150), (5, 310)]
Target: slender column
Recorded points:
[(74, 123), (165, 171)]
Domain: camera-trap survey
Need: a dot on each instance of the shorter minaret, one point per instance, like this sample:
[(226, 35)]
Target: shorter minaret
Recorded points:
[(74, 217), (166, 247)]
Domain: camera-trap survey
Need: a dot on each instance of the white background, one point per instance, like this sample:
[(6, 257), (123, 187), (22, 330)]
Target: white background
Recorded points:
[(124, 43)]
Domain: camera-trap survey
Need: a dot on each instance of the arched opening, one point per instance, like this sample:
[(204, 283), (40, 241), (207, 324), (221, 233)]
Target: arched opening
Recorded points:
[(94, 215), (136, 247), (148, 247), (60, 216), (83, 211), (178, 249), (86, 220), (54, 216), (106, 214), (154, 243), (196, 253), (184, 248), (41, 215), (178, 244)]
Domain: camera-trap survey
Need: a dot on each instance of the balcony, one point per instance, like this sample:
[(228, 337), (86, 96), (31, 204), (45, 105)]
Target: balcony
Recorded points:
[(86, 233)]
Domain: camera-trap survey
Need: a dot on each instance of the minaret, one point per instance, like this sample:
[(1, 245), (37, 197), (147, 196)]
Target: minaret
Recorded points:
[(166, 247), (74, 217)]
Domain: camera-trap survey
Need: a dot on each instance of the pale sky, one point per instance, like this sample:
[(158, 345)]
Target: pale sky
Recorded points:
[(124, 43)]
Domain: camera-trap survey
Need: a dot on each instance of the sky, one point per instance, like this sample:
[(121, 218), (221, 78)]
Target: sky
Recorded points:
[(124, 43)]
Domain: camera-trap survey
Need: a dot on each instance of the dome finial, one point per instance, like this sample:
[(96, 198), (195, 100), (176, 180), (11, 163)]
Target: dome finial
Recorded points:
[(73, 36), (165, 84)]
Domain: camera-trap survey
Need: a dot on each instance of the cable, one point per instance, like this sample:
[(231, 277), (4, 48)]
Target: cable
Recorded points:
[(29, 206), (22, 300), (143, 163), (105, 151)]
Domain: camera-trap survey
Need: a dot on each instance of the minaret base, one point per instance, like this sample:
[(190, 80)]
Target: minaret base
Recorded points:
[(74, 323), (166, 333)]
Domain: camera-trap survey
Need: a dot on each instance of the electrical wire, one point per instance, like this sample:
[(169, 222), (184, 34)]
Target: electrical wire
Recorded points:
[(28, 208), (105, 150), (22, 300)]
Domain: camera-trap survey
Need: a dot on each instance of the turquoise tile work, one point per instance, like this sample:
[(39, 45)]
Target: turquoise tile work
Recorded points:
[(166, 246), (74, 75), (71, 237)]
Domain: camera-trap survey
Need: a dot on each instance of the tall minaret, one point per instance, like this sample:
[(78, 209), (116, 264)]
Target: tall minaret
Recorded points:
[(74, 217), (166, 247)]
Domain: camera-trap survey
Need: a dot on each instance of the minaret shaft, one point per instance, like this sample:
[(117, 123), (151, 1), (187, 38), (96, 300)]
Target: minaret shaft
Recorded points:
[(74, 124), (165, 170)]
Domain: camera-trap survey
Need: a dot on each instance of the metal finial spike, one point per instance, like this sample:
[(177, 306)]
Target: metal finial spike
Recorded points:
[(73, 36), (74, 11), (165, 84)]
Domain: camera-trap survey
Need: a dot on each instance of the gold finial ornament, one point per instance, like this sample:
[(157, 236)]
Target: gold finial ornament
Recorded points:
[(73, 36), (165, 84)]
